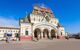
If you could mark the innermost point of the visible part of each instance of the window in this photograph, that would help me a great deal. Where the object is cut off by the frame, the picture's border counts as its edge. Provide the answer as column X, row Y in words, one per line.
column 4, row 34
column 61, row 33
column 9, row 31
column 3, row 30
column 51, row 21
column 16, row 30
column 6, row 31
column 26, row 32
column 17, row 35
column 39, row 19
column 47, row 18
column 34, row 19
column 42, row 19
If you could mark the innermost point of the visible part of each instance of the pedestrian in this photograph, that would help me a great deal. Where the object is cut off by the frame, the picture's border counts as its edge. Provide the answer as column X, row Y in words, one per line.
column 67, row 37
column 7, row 39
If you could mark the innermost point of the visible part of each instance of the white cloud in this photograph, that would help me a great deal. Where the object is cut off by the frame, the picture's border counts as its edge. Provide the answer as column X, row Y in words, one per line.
column 8, row 22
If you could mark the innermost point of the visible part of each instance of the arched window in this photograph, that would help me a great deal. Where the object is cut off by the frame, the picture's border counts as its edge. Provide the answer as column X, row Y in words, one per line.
column 26, row 32
column 61, row 33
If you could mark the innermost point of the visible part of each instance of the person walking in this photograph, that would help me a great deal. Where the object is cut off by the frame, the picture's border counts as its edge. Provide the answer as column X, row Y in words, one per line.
column 7, row 39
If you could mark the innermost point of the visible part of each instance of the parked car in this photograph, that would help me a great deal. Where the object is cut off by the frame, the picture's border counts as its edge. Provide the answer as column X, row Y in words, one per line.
column 77, row 36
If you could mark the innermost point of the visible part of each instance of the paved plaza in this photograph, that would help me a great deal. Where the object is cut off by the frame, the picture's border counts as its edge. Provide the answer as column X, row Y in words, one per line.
column 55, row 44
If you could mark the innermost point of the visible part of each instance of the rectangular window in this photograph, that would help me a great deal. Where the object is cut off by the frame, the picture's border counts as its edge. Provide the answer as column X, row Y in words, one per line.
column 3, row 30
column 26, row 32
column 39, row 19
column 34, row 19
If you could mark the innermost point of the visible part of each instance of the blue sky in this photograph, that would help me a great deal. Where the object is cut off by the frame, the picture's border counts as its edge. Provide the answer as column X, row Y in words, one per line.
column 67, row 11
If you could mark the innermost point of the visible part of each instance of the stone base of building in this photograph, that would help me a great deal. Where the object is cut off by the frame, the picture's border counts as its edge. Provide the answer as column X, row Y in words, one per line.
column 61, row 37
column 24, row 38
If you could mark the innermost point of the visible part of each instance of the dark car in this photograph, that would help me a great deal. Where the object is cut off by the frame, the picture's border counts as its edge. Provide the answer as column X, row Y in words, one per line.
column 77, row 36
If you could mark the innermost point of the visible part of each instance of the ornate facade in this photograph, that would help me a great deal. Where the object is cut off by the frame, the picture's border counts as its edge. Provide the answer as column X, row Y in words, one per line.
column 41, row 24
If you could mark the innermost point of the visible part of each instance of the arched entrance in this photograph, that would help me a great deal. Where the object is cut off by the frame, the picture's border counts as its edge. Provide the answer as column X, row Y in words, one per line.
column 45, row 33
column 37, row 33
column 53, row 35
